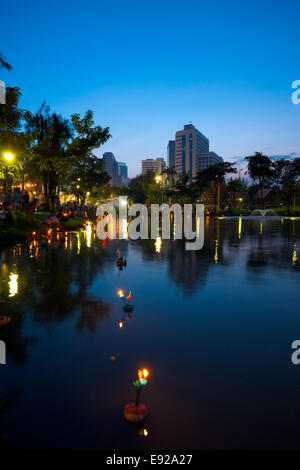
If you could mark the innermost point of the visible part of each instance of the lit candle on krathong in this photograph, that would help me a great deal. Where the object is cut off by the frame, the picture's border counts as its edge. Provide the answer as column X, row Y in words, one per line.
column 136, row 412
column 126, row 307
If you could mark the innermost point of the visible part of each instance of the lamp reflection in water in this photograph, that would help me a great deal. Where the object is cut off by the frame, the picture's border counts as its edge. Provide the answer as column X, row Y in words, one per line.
column 78, row 243
column 89, row 233
column 294, row 257
column 13, row 285
column 158, row 244
column 240, row 228
column 216, row 257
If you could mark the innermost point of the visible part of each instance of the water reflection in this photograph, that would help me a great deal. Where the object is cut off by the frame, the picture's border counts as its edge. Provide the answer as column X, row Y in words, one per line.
column 61, row 295
column 13, row 285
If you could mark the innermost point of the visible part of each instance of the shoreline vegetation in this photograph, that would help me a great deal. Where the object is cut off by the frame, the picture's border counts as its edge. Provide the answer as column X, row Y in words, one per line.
column 17, row 232
column 12, row 231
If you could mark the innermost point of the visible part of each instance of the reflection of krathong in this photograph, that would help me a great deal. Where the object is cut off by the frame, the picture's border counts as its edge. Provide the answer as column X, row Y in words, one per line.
column 136, row 412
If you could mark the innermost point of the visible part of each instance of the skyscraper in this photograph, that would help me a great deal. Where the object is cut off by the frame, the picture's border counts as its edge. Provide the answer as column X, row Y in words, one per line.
column 171, row 153
column 111, row 167
column 118, row 171
column 207, row 159
column 122, row 173
column 189, row 144
column 156, row 165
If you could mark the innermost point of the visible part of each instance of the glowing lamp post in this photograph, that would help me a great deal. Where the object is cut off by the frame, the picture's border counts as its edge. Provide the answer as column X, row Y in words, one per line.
column 8, row 157
column 136, row 412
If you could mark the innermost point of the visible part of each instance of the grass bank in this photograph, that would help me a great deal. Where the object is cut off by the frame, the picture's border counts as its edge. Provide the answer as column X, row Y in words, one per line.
column 13, row 231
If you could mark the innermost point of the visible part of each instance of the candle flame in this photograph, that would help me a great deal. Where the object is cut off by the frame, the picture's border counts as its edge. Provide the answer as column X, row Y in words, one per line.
column 121, row 324
column 121, row 293
column 143, row 374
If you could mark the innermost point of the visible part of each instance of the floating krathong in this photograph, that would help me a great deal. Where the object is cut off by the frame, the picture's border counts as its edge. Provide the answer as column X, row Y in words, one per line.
column 136, row 412
column 127, row 307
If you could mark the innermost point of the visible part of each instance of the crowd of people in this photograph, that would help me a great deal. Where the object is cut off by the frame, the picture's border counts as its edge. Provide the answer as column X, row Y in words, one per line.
column 16, row 202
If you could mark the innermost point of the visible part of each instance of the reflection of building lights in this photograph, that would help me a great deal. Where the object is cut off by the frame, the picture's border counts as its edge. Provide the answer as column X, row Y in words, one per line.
column 13, row 284
column 157, row 244
column 216, row 258
column 78, row 243
column 294, row 258
column 198, row 227
column 261, row 228
column 240, row 227
column 89, row 235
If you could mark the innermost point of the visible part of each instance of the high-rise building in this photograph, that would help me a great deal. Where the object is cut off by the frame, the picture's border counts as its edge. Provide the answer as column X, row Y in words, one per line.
column 118, row 171
column 122, row 173
column 111, row 167
column 207, row 159
column 171, row 153
column 189, row 144
column 155, row 165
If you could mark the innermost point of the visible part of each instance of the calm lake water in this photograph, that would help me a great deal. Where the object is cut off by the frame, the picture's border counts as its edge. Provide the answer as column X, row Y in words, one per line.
column 214, row 328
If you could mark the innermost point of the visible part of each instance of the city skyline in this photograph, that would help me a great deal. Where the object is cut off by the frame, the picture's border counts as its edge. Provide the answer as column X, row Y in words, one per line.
column 236, row 87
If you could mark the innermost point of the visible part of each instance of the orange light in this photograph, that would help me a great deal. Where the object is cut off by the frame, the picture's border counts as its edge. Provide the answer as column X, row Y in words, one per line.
column 121, row 293
column 121, row 324
column 143, row 374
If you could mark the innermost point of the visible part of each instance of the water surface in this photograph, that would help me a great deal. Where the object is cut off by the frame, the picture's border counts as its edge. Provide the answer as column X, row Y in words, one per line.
column 214, row 327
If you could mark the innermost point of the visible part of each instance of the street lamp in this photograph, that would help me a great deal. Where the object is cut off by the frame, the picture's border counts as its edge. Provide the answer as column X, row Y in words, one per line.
column 158, row 180
column 8, row 156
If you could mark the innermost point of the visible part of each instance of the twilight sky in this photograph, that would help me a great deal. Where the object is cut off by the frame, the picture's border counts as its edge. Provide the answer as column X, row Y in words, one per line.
column 148, row 67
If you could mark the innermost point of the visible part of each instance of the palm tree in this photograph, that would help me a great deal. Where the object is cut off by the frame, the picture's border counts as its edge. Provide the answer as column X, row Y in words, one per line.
column 171, row 173
column 260, row 169
column 3, row 63
column 214, row 177
column 233, row 186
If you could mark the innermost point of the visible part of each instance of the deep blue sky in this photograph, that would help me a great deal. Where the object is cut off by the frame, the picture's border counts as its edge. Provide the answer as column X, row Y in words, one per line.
column 148, row 67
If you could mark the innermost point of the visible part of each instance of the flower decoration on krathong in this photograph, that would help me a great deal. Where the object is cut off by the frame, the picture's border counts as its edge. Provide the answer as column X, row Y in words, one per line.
column 142, row 381
column 126, row 307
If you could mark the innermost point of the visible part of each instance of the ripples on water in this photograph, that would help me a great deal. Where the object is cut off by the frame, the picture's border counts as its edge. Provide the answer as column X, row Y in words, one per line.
column 214, row 327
